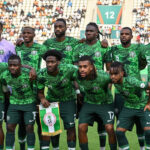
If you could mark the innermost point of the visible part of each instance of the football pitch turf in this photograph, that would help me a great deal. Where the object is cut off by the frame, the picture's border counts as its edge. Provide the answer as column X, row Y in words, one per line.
column 92, row 138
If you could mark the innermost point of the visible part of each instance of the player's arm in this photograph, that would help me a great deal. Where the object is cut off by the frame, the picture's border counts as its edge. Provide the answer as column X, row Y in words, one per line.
column 42, row 98
column 32, row 74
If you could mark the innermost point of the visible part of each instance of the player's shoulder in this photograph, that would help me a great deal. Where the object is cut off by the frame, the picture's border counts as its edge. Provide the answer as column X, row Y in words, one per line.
column 67, row 67
column 7, row 42
column 5, row 74
column 49, row 40
column 42, row 71
column 39, row 46
column 101, row 73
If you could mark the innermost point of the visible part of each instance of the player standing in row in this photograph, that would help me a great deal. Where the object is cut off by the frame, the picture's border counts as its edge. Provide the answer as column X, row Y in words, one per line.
column 3, row 67
column 92, row 47
column 22, row 101
column 58, row 79
column 136, row 105
column 96, row 104
column 30, row 54
column 131, row 56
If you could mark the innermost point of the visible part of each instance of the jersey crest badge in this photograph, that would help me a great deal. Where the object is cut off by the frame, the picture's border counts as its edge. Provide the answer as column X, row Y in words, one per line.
column 1, row 52
column 97, row 54
column 132, row 54
column 34, row 53
column 68, row 48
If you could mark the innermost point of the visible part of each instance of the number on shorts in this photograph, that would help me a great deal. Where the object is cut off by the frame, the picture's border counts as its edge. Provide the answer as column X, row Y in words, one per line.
column 111, row 115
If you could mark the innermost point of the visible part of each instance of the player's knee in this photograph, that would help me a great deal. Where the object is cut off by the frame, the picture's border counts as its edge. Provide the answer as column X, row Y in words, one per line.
column 10, row 128
column 109, row 129
column 29, row 128
column 82, row 128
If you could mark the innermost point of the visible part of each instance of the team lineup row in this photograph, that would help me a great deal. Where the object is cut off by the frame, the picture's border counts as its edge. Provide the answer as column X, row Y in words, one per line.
column 93, row 83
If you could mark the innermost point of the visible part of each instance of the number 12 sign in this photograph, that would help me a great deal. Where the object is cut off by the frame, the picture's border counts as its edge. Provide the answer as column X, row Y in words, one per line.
column 109, row 14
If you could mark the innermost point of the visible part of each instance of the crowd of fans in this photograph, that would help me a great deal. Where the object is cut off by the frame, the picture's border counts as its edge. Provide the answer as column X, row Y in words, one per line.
column 40, row 14
column 109, row 2
column 141, row 21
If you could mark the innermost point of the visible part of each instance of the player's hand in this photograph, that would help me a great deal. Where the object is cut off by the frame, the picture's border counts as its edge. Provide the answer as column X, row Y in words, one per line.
column 147, row 106
column 45, row 103
column 32, row 74
column 104, row 43
column 82, row 40
column 19, row 42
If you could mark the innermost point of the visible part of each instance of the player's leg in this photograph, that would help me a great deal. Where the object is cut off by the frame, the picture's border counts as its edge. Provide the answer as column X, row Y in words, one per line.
column 1, row 129
column 29, row 118
column 68, row 115
column 22, row 133
column 106, row 113
column 140, row 134
column 124, row 123
column 85, row 118
column 145, row 123
column 13, row 116
column 102, row 134
column 45, row 142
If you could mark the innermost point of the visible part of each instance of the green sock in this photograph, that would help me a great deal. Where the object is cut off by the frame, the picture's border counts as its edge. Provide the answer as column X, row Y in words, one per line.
column 10, row 139
column 31, row 139
column 84, row 146
column 147, row 139
column 113, row 146
column 141, row 139
column 102, row 139
column 55, row 141
column 71, row 144
column 45, row 145
column 122, row 140
column 1, row 147
column 22, row 143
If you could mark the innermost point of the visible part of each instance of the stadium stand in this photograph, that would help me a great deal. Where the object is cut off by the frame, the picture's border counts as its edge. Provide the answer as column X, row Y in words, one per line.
column 141, row 21
column 41, row 14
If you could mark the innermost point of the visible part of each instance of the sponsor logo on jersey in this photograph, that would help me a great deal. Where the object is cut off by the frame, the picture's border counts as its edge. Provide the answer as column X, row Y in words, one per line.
column 64, row 80
column 34, row 53
column 97, row 54
column 68, row 48
column 132, row 54
column 49, row 119
column 1, row 52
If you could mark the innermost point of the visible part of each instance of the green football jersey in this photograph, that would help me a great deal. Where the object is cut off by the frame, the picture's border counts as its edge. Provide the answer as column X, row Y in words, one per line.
column 95, row 51
column 133, row 91
column 20, row 87
column 96, row 91
column 3, row 67
column 31, row 56
column 146, row 55
column 60, row 87
column 65, row 47
column 131, row 57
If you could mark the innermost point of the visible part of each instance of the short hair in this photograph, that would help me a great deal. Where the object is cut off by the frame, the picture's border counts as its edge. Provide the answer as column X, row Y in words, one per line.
column 55, row 53
column 118, row 65
column 1, row 25
column 96, row 26
column 28, row 27
column 128, row 28
column 12, row 57
column 62, row 20
column 86, row 58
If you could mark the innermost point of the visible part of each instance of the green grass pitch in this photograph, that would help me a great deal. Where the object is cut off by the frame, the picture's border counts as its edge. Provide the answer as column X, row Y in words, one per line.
column 92, row 138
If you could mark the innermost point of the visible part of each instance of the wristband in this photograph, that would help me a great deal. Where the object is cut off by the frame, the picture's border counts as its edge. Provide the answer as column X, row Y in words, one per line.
column 77, row 91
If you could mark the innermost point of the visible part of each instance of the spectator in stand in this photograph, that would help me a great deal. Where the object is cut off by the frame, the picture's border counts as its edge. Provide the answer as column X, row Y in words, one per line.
column 69, row 3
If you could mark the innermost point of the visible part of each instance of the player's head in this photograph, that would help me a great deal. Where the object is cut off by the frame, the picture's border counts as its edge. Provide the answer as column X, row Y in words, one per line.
column 60, row 27
column 52, row 58
column 117, row 72
column 126, row 35
column 92, row 32
column 14, row 64
column 28, row 34
column 86, row 68
column 1, row 28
